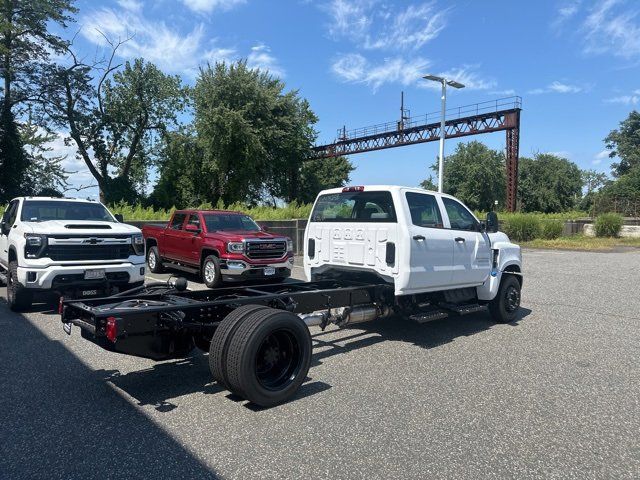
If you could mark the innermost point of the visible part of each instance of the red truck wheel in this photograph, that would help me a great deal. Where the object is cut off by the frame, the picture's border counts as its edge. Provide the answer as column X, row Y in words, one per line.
column 211, row 275
column 154, row 260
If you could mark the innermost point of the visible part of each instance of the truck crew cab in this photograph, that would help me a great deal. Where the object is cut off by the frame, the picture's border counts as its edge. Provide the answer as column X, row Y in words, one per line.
column 370, row 252
column 222, row 246
column 66, row 246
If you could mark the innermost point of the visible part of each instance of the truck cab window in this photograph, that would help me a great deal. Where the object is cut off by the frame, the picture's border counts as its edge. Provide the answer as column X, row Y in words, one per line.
column 177, row 221
column 194, row 220
column 459, row 217
column 355, row 207
column 424, row 210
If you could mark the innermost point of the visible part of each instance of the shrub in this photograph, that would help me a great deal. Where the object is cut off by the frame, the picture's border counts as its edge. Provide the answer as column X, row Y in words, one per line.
column 552, row 229
column 608, row 225
column 522, row 228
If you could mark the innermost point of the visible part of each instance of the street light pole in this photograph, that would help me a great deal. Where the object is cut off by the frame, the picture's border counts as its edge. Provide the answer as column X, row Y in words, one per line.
column 444, row 82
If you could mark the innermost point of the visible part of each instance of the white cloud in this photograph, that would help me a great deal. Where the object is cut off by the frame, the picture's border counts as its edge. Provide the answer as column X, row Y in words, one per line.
column 565, row 12
column 208, row 6
column 465, row 75
column 613, row 28
column 632, row 99
column 373, row 25
column 164, row 45
column 131, row 5
column 557, row 87
column 599, row 157
column 260, row 57
column 355, row 68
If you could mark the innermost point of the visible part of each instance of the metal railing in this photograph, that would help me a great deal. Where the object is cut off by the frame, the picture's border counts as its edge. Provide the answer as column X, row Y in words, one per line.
column 491, row 106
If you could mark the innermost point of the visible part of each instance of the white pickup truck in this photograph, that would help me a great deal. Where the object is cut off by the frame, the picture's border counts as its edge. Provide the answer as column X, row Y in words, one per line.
column 419, row 241
column 370, row 252
column 67, row 246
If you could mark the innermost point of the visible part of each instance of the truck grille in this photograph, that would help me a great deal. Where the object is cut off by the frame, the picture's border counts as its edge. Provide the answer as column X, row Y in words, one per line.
column 88, row 252
column 266, row 249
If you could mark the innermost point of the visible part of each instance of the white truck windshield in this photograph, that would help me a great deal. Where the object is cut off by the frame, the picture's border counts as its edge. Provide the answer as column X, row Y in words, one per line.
column 43, row 210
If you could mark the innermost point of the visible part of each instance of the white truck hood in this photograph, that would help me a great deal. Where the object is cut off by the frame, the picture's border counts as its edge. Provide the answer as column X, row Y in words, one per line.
column 79, row 227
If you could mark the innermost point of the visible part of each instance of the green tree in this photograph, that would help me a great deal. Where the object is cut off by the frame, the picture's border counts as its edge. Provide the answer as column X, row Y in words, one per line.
column 116, row 116
column 624, row 143
column 254, row 136
column 26, row 44
column 321, row 174
column 548, row 183
column 593, row 180
column 475, row 174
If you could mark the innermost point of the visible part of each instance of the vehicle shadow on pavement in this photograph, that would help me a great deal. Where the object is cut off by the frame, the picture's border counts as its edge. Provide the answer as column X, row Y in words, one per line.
column 165, row 381
column 397, row 328
column 60, row 420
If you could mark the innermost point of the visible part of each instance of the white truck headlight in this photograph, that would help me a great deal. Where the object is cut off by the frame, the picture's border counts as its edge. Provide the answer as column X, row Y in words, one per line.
column 138, row 244
column 235, row 247
column 34, row 245
column 289, row 245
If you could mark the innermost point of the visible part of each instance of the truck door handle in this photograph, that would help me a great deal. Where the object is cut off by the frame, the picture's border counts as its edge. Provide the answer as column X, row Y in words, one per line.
column 459, row 239
column 419, row 238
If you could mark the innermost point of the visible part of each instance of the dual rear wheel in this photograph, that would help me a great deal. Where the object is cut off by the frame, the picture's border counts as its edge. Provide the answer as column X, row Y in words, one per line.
column 261, row 354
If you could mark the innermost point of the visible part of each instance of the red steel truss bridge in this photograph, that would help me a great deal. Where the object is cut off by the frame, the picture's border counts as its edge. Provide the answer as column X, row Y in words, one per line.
column 486, row 117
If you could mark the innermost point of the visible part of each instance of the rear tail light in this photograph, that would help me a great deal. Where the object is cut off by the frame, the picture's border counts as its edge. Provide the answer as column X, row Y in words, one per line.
column 61, row 305
column 112, row 329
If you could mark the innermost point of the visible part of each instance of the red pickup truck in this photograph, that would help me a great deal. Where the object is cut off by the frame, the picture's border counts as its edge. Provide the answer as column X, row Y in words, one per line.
column 219, row 245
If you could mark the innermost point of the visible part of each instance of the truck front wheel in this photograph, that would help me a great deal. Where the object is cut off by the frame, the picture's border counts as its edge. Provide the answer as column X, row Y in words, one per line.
column 154, row 260
column 18, row 297
column 211, row 272
column 269, row 357
column 504, row 307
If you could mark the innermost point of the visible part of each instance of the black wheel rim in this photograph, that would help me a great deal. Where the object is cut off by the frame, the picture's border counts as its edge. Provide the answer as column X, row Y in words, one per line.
column 278, row 360
column 512, row 299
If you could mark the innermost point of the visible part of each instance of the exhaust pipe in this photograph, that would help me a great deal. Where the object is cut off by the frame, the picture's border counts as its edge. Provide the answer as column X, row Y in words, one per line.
column 346, row 315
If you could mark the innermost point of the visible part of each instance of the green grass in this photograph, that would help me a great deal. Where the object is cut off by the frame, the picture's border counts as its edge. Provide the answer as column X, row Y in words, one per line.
column 570, row 215
column 288, row 212
column 581, row 242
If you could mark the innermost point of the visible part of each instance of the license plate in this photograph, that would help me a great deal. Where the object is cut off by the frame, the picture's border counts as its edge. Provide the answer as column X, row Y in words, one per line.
column 67, row 328
column 270, row 271
column 93, row 274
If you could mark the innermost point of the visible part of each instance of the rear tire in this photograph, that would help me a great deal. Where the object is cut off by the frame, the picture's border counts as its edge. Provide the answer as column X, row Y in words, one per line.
column 18, row 297
column 154, row 260
column 269, row 357
column 210, row 272
column 221, row 339
column 504, row 307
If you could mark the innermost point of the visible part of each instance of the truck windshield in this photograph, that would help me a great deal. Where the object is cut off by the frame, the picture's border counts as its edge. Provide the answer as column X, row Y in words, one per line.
column 43, row 210
column 217, row 222
column 354, row 207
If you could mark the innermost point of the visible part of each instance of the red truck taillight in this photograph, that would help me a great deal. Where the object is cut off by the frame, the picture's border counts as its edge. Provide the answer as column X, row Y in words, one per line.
column 112, row 329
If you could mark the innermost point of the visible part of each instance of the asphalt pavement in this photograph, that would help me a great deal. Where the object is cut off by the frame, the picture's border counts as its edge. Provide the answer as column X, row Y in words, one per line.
column 556, row 394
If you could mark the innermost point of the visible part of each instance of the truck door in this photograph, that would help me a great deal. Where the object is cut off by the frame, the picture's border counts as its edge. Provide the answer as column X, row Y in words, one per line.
column 9, row 218
column 192, row 241
column 173, row 236
column 431, row 247
column 472, row 249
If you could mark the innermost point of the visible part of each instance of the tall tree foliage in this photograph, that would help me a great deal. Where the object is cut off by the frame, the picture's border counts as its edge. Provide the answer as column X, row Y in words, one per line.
column 475, row 174
column 255, row 137
column 115, row 116
column 624, row 143
column 548, row 183
column 26, row 44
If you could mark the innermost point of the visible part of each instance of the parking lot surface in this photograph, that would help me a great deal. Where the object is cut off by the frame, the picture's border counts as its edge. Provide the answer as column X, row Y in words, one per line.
column 554, row 395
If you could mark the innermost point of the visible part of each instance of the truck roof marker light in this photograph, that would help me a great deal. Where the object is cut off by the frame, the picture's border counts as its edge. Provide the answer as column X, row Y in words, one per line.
column 112, row 329
column 353, row 189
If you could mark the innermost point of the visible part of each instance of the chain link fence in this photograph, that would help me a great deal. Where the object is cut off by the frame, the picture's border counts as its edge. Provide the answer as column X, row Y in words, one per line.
column 625, row 206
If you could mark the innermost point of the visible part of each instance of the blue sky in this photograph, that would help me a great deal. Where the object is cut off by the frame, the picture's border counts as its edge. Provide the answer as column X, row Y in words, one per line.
column 576, row 64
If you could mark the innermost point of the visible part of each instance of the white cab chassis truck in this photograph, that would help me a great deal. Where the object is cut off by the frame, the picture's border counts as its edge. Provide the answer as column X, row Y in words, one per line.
column 68, row 246
column 370, row 252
